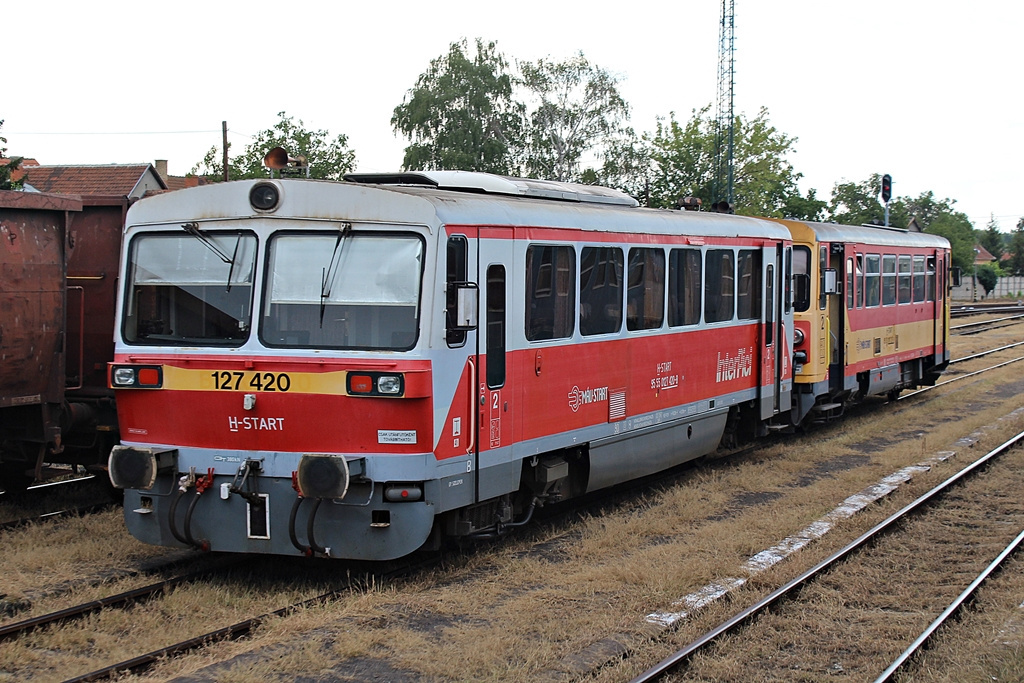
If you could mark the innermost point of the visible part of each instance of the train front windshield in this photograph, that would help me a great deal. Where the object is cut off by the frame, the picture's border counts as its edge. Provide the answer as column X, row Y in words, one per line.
column 190, row 288
column 343, row 290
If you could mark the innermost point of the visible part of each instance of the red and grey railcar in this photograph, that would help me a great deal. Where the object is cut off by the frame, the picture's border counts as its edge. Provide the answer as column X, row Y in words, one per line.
column 358, row 369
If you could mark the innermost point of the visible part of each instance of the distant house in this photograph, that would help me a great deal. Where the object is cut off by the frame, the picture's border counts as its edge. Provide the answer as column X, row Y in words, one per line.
column 982, row 255
column 132, row 181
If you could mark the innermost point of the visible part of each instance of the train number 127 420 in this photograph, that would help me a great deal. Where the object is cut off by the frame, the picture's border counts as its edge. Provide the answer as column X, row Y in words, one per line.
column 249, row 381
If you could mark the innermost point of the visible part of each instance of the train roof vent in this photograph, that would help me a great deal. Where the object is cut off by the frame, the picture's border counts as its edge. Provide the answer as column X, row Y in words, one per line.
column 487, row 183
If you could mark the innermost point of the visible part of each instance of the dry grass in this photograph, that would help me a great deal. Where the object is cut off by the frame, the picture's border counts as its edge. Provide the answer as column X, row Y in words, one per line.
column 523, row 607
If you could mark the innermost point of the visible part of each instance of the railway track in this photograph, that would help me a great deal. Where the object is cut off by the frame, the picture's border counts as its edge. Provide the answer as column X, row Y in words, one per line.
column 970, row 509
column 549, row 543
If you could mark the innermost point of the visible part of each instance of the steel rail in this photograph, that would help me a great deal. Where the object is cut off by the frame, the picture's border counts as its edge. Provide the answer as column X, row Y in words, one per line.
column 119, row 600
column 237, row 630
column 952, row 609
column 680, row 656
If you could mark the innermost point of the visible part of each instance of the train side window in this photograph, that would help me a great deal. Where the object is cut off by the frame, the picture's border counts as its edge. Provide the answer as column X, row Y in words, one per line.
column 872, row 280
column 787, row 278
column 801, row 278
column 600, row 290
column 684, row 287
column 645, row 291
column 822, row 267
column 457, row 269
column 550, row 292
column 495, row 326
column 919, row 280
column 930, row 275
column 849, row 284
column 719, row 285
column 748, row 285
column 904, row 279
column 888, row 279
column 860, row 280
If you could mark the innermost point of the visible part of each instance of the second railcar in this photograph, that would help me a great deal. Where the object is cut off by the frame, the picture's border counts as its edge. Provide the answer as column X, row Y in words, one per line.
column 872, row 314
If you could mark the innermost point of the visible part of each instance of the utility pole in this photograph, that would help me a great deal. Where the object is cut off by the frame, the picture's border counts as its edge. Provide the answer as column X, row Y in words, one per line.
column 724, row 133
column 224, row 143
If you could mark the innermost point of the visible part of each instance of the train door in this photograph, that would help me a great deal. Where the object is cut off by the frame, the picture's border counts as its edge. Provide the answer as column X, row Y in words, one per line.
column 495, row 390
column 773, row 326
column 832, row 294
column 937, row 292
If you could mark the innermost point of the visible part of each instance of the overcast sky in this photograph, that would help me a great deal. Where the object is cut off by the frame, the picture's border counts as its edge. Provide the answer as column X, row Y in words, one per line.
column 929, row 91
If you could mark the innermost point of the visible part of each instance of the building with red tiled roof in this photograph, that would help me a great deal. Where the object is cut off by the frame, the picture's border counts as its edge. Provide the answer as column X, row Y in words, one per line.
column 118, row 180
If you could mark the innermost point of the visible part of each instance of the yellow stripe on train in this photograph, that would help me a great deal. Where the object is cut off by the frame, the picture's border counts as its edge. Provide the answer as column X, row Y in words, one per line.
column 253, row 381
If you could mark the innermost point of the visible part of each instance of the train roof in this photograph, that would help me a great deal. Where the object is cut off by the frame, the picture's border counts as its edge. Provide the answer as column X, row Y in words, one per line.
column 529, row 203
column 863, row 234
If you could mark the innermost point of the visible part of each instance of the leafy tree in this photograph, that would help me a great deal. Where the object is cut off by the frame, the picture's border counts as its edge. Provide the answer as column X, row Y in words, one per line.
column 625, row 165
column 956, row 228
column 461, row 114
column 857, row 203
column 992, row 239
column 327, row 159
column 765, row 183
column 579, row 109
column 7, row 169
column 1016, row 262
column 988, row 276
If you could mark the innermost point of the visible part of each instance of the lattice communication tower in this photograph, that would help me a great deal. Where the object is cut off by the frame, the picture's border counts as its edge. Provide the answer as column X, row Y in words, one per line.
column 724, row 134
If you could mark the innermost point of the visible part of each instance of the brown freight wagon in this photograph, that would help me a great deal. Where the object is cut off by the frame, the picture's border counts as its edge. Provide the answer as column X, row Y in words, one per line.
column 58, row 272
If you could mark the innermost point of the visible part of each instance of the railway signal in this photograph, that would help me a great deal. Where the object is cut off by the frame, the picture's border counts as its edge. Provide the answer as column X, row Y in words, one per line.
column 886, row 194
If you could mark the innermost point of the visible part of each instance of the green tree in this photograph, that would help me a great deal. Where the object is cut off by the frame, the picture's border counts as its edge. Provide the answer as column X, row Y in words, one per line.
column 7, row 169
column 625, row 165
column 956, row 227
column 988, row 276
column 579, row 110
column 1016, row 263
column 857, row 203
column 461, row 114
column 765, row 183
column 992, row 239
column 327, row 159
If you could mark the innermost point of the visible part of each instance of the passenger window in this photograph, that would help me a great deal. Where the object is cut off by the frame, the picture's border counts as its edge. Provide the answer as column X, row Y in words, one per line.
column 801, row 278
column 860, row 280
column 550, row 292
column 919, row 279
column 684, row 287
column 748, row 295
column 719, row 289
column 600, row 290
column 888, row 280
column 645, row 294
column 849, row 283
column 931, row 280
column 872, row 280
column 822, row 267
column 904, row 280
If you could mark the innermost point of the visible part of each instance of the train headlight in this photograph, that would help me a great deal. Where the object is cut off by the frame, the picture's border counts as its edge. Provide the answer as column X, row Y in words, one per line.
column 376, row 384
column 124, row 377
column 389, row 384
column 136, row 376
column 798, row 336
column 264, row 196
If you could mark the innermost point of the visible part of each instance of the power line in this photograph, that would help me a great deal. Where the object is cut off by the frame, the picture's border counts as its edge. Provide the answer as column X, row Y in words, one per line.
column 136, row 132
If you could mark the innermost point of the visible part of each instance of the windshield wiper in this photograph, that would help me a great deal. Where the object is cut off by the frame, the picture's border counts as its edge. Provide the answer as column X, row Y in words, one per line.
column 234, row 255
column 329, row 273
column 193, row 229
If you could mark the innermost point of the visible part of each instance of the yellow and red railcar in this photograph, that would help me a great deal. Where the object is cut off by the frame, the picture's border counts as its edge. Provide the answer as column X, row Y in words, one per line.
column 871, row 313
